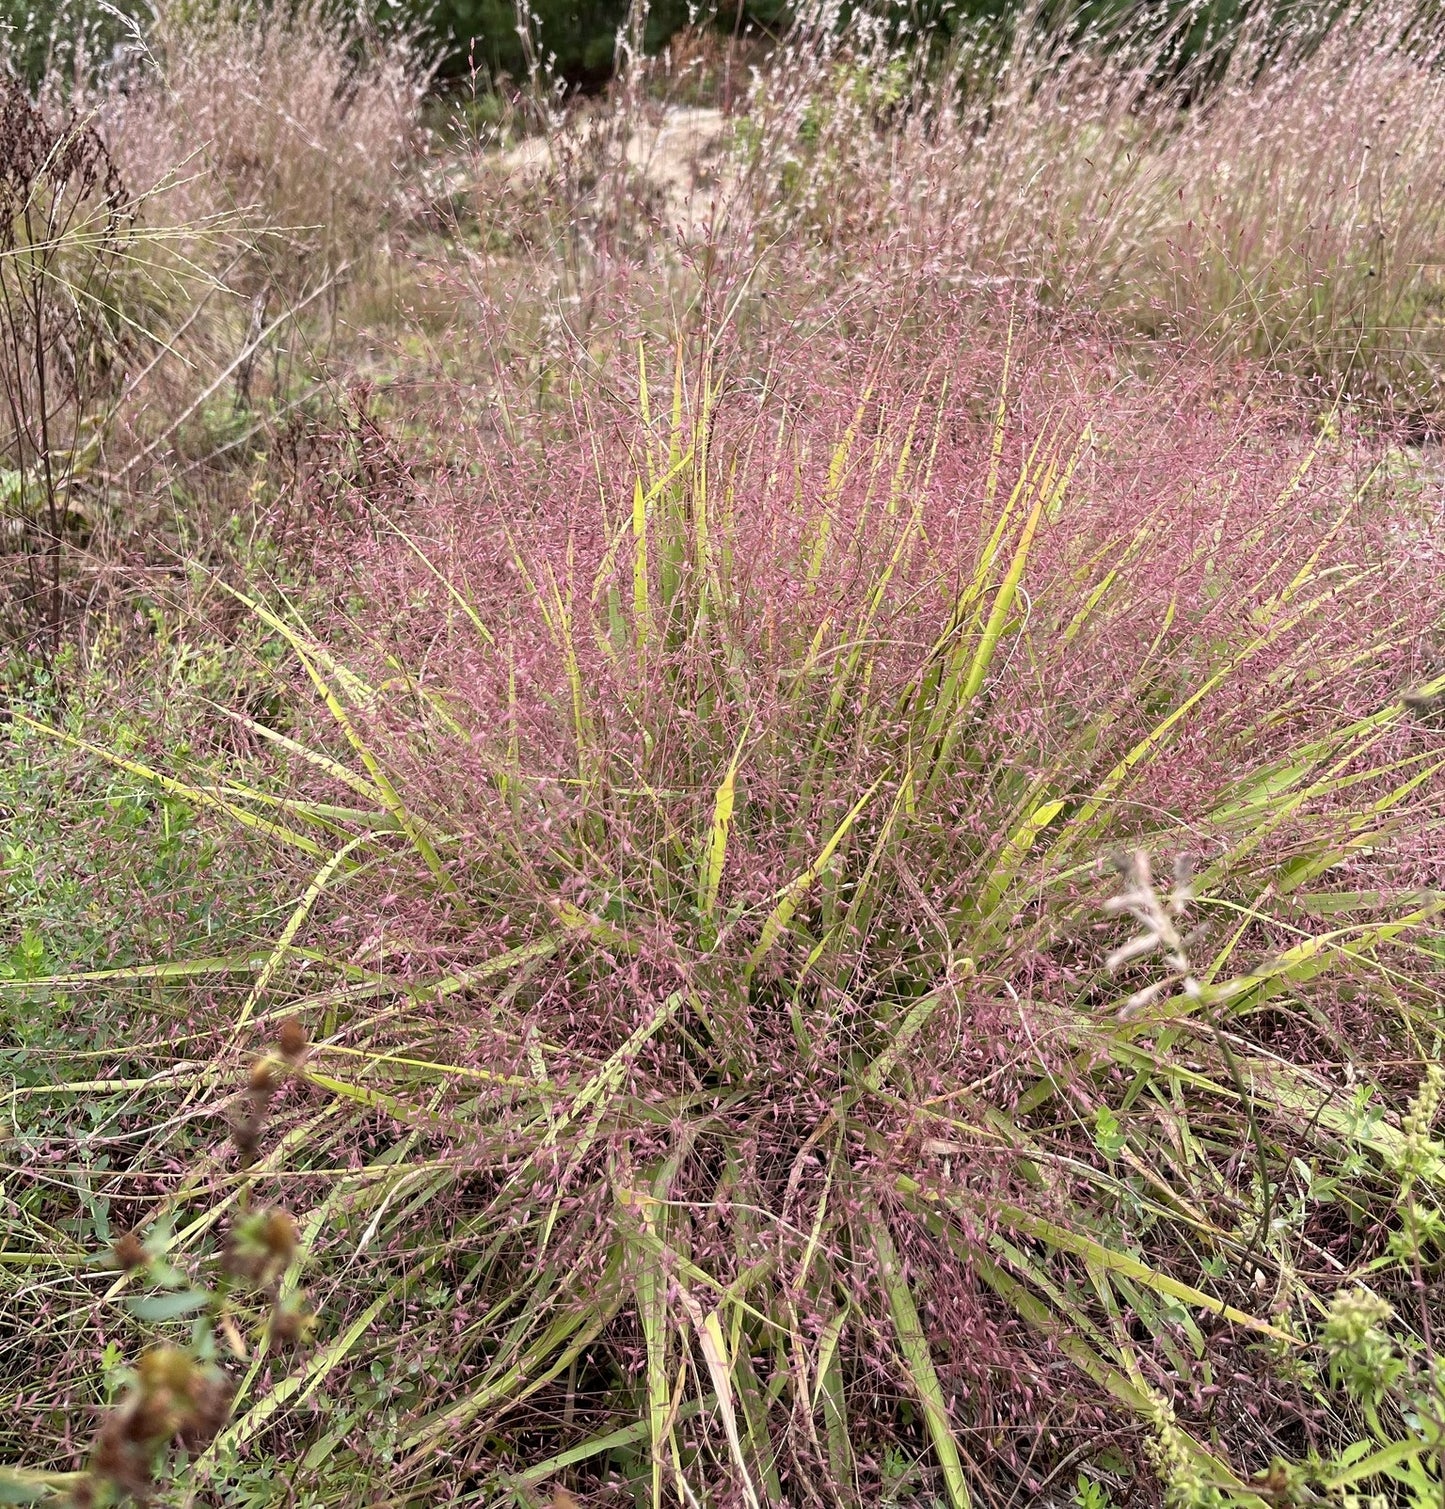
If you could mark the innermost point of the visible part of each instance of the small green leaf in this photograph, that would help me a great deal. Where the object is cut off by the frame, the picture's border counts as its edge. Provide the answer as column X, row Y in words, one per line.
column 169, row 1306
column 1108, row 1137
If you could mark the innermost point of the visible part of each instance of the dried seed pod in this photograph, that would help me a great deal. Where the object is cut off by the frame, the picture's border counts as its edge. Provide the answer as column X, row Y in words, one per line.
column 266, row 1075
column 292, row 1322
column 292, row 1040
column 154, row 1417
column 246, row 1135
column 281, row 1234
column 210, row 1407
column 128, row 1254
column 121, row 1461
column 166, row 1367
column 175, row 1398
column 260, row 1246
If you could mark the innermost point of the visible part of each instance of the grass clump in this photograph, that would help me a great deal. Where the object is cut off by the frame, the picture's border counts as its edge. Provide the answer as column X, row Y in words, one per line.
column 701, row 943
column 657, row 915
column 287, row 121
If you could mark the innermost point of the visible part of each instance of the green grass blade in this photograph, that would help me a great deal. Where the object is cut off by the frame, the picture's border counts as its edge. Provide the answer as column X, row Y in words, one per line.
column 918, row 1362
column 782, row 914
column 197, row 795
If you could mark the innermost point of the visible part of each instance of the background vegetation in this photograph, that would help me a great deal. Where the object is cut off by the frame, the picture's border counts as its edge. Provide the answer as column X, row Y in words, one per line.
column 575, row 39
column 726, row 791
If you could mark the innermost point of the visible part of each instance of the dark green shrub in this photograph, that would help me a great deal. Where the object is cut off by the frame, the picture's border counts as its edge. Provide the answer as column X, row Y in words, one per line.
column 576, row 39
